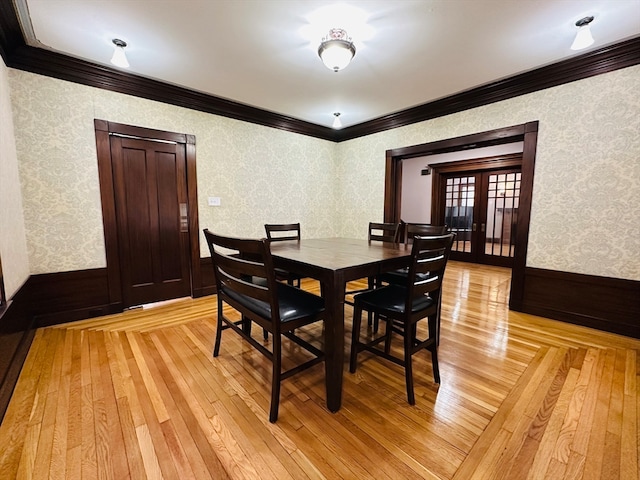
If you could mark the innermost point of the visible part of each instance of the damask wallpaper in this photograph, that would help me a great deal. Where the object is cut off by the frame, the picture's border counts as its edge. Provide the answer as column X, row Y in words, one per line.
column 585, row 214
column 13, row 247
column 587, row 180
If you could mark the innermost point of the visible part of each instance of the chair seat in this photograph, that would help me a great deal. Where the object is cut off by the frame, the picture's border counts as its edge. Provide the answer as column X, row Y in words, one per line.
column 294, row 303
column 391, row 298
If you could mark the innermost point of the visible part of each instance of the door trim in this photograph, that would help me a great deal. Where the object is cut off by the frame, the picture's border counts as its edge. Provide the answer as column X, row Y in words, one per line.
column 103, row 129
column 526, row 133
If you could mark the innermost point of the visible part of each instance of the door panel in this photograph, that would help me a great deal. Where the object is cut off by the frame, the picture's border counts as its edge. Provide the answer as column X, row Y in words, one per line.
column 459, row 215
column 501, row 215
column 150, row 185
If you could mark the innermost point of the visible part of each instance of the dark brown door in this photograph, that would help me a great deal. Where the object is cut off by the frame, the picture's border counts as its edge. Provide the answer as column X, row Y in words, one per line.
column 482, row 209
column 150, row 189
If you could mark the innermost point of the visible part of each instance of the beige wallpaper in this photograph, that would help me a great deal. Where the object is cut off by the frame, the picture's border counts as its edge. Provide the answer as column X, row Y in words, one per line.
column 585, row 212
column 584, row 219
column 13, row 250
column 261, row 174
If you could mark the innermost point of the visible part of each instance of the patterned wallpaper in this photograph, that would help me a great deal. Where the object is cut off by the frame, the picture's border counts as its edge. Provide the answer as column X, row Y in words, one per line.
column 585, row 213
column 13, row 250
column 262, row 175
column 584, row 219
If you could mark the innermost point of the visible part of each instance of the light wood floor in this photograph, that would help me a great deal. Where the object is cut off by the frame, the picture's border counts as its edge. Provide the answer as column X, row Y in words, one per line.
column 138, row 395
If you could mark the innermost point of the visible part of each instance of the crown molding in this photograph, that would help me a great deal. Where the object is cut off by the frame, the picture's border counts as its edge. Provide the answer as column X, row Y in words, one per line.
column 17, row 54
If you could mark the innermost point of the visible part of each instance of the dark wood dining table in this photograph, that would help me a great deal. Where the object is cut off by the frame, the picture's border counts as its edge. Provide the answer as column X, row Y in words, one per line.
column 334, row 262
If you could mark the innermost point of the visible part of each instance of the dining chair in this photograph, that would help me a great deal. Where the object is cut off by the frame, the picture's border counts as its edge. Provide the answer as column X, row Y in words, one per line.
column 277, row 232
column 402, row 307
column 408, row 232
column 245, row 280
column 378, row 232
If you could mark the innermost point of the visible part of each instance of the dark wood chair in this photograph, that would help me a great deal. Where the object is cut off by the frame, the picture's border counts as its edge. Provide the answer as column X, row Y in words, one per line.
column 402, row 307
column 408, row 231
column 245, row 280
column 378, row 232
column 282, row 232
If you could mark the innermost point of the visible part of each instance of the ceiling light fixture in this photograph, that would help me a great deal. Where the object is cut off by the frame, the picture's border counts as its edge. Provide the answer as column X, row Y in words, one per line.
column 583, row 37
column 336, row 121
column 119, row 58
column 336, row 49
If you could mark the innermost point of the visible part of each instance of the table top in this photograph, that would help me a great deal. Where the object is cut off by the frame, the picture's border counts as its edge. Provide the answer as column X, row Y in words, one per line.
column 339, row 253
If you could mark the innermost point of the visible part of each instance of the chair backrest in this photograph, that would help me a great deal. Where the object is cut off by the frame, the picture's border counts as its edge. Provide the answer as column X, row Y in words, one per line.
column 282, row 231
column 245, row 276
column 429, row 256
column 423, row 229
column 383, row 232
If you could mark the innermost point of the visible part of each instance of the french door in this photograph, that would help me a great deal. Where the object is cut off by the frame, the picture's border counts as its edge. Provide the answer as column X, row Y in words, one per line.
column 481, row 208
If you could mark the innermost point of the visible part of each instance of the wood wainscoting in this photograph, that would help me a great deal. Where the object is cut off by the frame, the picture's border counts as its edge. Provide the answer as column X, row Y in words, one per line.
column 609, row 304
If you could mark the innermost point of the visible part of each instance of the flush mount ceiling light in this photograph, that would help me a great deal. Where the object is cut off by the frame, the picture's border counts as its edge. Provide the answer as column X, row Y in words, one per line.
column 583, row 37
column 119, row 58
column 336, row 121
column 336, row 49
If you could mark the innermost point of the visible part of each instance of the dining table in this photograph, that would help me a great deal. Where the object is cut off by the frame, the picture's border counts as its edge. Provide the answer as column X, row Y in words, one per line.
column 334, row 262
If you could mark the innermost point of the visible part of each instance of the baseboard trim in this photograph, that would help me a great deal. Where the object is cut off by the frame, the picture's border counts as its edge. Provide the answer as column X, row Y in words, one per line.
column 604, row 303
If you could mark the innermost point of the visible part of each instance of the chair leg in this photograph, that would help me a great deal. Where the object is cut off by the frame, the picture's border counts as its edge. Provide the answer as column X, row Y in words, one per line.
column 434, row 363
column 387, row 333
column 434, row 331
column 408, row 365
column 275, row 378
column 216, row 348
column 355, row 337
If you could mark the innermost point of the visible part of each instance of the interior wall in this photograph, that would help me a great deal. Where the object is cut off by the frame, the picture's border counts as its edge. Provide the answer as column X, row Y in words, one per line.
column 415, row 203
column 585, row 211
column 13, row 245
column 262, row 175
column 584, row 208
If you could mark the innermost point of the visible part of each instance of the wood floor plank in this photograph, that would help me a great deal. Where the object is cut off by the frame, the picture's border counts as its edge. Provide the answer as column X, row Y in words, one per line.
column 139, row 395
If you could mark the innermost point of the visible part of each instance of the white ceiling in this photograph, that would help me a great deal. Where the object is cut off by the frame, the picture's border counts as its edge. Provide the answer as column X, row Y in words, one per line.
column 264, row 52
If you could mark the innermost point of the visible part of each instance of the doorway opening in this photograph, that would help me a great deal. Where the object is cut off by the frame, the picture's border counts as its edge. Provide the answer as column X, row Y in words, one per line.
column 526, row 133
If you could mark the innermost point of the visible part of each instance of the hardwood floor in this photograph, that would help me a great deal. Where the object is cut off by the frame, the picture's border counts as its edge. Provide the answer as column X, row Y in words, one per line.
column 139, row 395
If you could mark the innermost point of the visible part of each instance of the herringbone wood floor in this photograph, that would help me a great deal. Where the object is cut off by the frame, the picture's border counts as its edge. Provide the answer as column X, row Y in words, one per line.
column 138, row 395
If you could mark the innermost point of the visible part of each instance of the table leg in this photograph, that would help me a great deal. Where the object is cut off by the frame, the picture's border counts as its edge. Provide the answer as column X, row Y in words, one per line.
column 333, row 290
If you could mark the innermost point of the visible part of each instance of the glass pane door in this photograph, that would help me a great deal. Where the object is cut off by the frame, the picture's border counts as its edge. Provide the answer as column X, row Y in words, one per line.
column 503, row 197
column 460, row 192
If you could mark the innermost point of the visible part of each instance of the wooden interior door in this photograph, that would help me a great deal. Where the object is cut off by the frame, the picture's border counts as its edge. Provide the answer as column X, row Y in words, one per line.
column 481, row 208
column 150, row 191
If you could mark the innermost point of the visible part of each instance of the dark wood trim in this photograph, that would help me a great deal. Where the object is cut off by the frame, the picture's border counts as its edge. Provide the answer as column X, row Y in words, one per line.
column 16, row 334
column 105, row 173
column 609, row 304
column 208, row 279
column 17, row 54
column 107, row 194
column 526, row 133
column 604, row 60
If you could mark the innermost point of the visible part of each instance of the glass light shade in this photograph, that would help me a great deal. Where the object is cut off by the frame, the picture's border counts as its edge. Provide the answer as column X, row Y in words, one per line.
column 337, row 123
column 336, row 54
column 119, row 58
column 583, row 38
